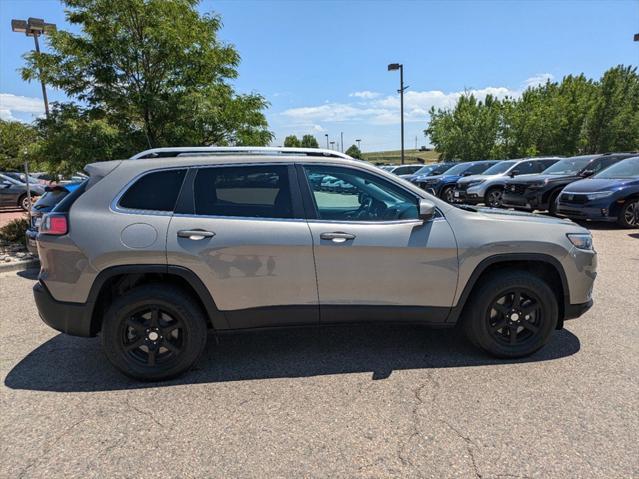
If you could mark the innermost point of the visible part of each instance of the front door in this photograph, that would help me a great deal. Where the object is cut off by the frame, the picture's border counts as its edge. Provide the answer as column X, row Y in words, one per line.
column 247, row 240
column 374, row 258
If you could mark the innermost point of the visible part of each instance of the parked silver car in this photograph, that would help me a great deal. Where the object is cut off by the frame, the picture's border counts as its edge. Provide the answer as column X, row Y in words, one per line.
column 151, row 253
column 488, row 187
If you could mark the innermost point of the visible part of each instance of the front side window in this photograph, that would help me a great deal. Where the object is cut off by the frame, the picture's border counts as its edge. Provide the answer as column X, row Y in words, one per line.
column 157, row 191
column 527, row 167
column 244, row 191
column 345, row 194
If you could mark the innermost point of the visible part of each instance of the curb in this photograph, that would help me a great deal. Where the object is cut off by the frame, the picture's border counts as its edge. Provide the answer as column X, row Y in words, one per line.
column 19, row 265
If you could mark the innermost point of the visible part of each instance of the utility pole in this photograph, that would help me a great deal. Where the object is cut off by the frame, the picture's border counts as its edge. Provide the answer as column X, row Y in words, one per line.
column 34, row 27
column 400, row 67
column 326, row 135
column 342, row 141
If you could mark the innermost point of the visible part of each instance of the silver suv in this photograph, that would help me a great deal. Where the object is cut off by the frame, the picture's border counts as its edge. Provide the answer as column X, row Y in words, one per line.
column 150, row 253
column 488, row 187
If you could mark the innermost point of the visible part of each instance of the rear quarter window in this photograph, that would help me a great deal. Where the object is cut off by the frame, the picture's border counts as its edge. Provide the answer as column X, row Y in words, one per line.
column 157, row 191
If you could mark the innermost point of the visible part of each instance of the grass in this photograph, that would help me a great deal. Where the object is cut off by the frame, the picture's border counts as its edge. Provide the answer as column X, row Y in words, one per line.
column 394, row 157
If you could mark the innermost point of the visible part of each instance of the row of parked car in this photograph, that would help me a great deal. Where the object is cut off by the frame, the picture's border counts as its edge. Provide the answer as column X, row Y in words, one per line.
column 602, row 187
column 13, row 187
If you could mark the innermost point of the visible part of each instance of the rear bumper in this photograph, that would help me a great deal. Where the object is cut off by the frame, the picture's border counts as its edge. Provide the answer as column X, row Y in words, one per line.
column 573, row 311
column 69, row 318
column 32, row 246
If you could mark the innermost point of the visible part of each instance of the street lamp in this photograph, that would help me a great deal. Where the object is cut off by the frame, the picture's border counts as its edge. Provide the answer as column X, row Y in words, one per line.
column 326, row 135
column 342, row 142
column 358, row 144
column 400, row 67
column 332, row 143
column 636, row 37
column 34, row 27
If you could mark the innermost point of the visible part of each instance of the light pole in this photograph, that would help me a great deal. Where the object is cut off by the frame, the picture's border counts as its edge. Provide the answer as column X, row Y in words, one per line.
column 359, row 145
column 34, row 27
column 326, row 135
column 342, row 141
column 332, row 143
column 400, row 67
column 636, row 37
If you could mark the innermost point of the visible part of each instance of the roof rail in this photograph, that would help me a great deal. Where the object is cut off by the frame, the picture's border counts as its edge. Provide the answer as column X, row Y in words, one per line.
column 172, row 152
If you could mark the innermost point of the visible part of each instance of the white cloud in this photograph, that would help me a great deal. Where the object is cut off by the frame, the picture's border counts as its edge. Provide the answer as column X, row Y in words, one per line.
column 539, row 79
column 11, row 104
column 366, row 94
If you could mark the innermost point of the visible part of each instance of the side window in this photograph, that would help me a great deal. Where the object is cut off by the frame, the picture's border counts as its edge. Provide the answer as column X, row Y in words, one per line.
column 345, row 194
column 156, row 191
column 247, row 191
column 527, row 167
column 545, row 164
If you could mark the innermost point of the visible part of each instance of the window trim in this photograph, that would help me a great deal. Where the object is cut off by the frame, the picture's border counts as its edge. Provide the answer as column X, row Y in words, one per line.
column 312, row 215
column 117, row 208
column 185, row 204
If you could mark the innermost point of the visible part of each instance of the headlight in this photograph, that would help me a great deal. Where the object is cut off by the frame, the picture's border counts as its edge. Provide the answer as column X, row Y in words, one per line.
column 600, row 194
column 539, row 184
column 581, row 240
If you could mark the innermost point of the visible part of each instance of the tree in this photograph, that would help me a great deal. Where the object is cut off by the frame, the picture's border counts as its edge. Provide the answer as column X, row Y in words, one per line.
column 309, row 141
column 18, row 141
column 354, row 152
column 153, row 71
column 292, row 141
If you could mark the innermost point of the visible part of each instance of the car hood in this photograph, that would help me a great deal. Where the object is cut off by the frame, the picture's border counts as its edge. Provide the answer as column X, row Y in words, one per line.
column 471, row 178
column 536, row 178
column 602, row 184
column 498, row 213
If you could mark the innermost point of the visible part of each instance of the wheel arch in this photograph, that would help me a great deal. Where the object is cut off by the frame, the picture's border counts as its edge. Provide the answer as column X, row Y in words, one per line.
column 118, row 279
column 539, row 264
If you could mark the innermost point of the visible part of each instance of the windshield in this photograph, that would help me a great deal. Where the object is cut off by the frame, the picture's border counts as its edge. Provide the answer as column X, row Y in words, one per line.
column 624, row 169
column 500, row 167
column 458, row 169
column 569, row 166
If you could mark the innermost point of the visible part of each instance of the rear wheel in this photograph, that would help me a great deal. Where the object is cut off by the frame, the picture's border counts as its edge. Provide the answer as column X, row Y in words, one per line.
column 511, row 315
column 153, row 332
column 447, row 194
column 23, row 202
column 629, row 214
column 493, row 197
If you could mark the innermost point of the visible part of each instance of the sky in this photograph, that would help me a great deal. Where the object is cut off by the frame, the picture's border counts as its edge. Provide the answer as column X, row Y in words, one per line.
column 322, row 65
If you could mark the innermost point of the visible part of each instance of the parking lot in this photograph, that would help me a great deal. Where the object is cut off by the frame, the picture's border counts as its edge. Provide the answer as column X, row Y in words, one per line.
column 339, row 402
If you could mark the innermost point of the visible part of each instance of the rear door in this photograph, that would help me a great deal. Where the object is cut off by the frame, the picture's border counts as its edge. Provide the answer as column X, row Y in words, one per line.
column 375, row 259
column 241, row 229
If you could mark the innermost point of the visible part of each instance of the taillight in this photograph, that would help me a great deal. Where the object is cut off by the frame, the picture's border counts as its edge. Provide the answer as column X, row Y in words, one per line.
column 54, row 224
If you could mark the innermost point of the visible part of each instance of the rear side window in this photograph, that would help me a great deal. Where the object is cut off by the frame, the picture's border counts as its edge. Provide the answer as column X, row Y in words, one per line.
column 51, row 198
column 246, row 191
column 155, row 191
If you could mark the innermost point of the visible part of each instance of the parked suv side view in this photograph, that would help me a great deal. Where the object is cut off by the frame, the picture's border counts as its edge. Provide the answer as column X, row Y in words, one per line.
column 151, row 253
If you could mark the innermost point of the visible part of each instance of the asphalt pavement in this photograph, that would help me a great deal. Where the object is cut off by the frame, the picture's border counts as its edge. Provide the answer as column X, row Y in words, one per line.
column 366, row 401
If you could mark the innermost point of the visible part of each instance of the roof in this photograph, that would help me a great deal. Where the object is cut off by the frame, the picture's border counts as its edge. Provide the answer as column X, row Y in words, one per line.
column 181, row 151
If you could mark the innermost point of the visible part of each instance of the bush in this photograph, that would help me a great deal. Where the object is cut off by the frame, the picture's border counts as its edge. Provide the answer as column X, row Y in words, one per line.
column 14, row 231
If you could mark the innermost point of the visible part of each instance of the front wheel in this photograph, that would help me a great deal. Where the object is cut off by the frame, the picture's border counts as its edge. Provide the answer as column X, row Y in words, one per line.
column 629, row 214
column 493, row 197
column 24, row 203
column 511, row 315
column 448, row 194
column 153, row 332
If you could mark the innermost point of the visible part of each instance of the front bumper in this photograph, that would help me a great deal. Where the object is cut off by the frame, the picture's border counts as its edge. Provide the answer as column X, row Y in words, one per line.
column 597, row 210
column 69, row 318
column 466, row 196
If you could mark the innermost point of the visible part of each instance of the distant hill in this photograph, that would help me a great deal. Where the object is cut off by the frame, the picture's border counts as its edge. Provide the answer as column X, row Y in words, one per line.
column 394, row 157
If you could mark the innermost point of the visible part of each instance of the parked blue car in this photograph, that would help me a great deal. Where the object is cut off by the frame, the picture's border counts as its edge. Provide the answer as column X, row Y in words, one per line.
column 51, row 197
column 443, row 185
column 612, row 195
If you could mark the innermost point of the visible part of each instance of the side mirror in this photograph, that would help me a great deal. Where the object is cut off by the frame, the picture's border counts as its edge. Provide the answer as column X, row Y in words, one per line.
column 426, row 210
column 513, row 173
column 587, row 173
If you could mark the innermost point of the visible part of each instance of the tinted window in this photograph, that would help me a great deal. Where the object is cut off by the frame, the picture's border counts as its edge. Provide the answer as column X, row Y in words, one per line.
column 51, row 198
column 155, row 191
column 624, row 169
column 478, row 168
column 248, row 191
column 347, row 194
column 500, row 167
column 526, row 167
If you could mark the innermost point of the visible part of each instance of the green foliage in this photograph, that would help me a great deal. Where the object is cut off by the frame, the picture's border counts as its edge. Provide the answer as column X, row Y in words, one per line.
column 309, row 141
column 574, row 116
column 149, row 72
column 15, row 231
column 17, row 144
column 354, row 152
column 291, row 141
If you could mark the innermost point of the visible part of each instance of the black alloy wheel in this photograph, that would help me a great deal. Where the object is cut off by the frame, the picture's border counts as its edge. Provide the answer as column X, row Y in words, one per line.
column 514, row 317
column 494, row 197
column 629, row 215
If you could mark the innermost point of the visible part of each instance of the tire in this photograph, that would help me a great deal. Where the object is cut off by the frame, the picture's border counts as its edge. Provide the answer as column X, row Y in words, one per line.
column 629, row 214
column 493, row 197
column 495, row 322
column 447, row 194
column 154, row 332
column 552, row 203
column 23, row 202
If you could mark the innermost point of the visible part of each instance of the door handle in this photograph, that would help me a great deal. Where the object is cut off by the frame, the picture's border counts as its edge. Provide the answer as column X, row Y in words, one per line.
column 337, row 237
column 195, row 235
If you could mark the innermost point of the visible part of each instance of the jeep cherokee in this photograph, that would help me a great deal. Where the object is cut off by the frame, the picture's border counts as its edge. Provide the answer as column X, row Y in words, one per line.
column 150, row 253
